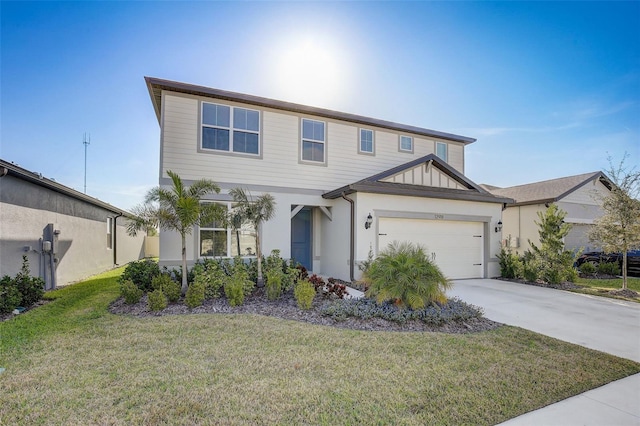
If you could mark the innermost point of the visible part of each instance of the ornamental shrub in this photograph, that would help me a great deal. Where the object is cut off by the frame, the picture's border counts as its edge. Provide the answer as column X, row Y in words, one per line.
column 9, row 295
column 195, row 295
column 274, row 283
column 141, row 273
column 30, row 288
column 404, row 275
column 157, row 300
column 159, row 281
column 510, row 263
column 609, row 268
column 304, row 293
column 233, row 291
column 588, row 268
column 211, row 275
column 172, row 290
column 130, row 292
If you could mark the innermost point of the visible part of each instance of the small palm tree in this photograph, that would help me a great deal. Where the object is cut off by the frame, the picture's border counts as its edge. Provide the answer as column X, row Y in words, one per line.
column 404, row 275
column 179, row 209
column 254, row 212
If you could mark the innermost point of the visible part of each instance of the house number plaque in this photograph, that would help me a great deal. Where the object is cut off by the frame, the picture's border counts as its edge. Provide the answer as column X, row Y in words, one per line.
column 439, row 216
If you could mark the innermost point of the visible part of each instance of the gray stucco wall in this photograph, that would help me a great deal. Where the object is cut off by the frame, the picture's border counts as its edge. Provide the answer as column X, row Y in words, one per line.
column 27, row 208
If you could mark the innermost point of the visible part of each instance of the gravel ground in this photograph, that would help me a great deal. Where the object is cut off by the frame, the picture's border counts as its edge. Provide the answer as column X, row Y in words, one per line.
column 286, row 308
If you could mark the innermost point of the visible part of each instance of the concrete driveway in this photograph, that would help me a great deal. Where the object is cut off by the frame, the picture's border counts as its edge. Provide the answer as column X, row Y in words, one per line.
column 607, row 325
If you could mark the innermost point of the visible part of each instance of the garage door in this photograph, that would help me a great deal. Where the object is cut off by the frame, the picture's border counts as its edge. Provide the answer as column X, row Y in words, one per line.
column 456, row 247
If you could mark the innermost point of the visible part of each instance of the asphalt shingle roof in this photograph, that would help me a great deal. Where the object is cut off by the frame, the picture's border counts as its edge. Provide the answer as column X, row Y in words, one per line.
column 545, row 191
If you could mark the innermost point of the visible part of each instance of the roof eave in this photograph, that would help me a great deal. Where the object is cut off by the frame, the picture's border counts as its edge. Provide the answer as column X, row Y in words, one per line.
column 160, row 84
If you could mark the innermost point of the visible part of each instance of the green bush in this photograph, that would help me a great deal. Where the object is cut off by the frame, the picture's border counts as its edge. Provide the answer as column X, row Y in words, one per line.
column 233, row 291
column 588, row 268
column 159, row 281
column 172, row 290
column 304, row 293
column 403, row 273
column 157, row 300
column 30, row 288
column 141, row 273
column 210, row 275
column 9, row 295
column 510, row 263
column 274, row 284
column 195, row 295
column 609, row 268
column 130, row 292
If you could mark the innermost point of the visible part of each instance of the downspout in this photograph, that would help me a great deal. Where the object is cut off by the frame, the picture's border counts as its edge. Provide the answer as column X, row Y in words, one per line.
column 353, row 233
column 115, row 238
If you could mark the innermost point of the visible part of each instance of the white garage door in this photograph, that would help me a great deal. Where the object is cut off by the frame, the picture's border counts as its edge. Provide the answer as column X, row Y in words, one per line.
column 456, row 247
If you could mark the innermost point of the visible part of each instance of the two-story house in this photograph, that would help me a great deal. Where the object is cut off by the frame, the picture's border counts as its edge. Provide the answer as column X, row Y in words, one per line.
column 344, row 184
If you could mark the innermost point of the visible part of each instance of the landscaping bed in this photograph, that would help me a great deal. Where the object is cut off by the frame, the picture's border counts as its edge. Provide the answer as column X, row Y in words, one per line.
column 286, row 308
column 605, row 286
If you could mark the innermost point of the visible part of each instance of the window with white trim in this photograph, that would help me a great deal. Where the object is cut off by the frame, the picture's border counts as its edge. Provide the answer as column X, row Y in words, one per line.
column 406, row 143
column 441, row 150
column 230, row 129
column 313, row 140
column 366, row 141
column 214, row 240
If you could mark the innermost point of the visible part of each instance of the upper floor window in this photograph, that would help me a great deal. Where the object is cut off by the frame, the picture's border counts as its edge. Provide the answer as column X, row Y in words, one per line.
column 366, row 141
column 441, row 150
column 231, row 129
column 313, row 140
column 406, row 143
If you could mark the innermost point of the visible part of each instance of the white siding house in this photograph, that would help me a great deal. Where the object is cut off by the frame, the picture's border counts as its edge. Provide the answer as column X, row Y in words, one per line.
column 328, row 172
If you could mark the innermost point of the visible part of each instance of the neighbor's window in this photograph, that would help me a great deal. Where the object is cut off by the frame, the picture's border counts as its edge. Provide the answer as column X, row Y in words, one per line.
column 406, row 143
column 230, row 129
column 109, row 232
column 366, row 141
column 217, row 241
column 441, row 150
column 313, row 140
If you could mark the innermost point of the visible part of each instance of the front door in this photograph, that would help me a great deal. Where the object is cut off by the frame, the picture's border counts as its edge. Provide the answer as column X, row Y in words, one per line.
column 301, row 238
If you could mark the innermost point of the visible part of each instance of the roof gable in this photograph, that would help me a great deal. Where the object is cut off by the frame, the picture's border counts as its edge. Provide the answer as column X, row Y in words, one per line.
column 550, row 191
column 427, row 176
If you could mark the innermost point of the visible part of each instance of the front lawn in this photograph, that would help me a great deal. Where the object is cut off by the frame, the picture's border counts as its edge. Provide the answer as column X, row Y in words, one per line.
column 604, row 287
column 72, row 362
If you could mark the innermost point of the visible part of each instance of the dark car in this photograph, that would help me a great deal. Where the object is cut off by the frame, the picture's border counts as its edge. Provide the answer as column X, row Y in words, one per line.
column 597, row 257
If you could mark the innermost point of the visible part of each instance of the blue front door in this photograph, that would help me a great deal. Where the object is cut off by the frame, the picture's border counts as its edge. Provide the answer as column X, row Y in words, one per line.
column 301, row 238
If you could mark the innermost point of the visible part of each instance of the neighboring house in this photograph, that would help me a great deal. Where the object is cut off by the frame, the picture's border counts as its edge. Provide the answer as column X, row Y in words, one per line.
column 66, row 235
column 578, row 195
column 344, row 184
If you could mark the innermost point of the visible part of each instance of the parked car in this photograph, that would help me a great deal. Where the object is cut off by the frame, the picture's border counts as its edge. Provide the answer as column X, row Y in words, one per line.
column 597, row 257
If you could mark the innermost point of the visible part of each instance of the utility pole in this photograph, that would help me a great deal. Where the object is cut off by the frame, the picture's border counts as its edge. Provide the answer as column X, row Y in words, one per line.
column 86, row 142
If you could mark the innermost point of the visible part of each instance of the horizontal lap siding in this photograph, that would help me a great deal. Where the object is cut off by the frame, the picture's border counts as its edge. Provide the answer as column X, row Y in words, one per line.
column 280, row 165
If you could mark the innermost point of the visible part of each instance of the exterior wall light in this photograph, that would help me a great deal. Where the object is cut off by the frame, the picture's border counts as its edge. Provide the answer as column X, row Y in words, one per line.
column 499, row 226
column 369, row 221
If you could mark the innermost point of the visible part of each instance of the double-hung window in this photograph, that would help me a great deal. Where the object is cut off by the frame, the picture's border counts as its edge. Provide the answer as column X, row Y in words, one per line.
column 406, row 143
column 215, row 240
column 366, row 141
column 441, row 150
column 313, row 141
column 230, row 129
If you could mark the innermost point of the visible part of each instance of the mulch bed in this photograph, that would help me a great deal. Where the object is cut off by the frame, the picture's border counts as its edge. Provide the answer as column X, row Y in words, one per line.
column 286, row 308
column 561, row 286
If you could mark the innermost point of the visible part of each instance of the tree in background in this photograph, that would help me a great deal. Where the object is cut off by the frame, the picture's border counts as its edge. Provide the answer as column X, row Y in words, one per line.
column 618, row 230
column 178, row 208
column 253, row 212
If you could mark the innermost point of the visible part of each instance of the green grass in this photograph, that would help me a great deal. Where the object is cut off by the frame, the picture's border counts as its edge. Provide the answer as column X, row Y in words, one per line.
column 602, row 287
column 71, row 362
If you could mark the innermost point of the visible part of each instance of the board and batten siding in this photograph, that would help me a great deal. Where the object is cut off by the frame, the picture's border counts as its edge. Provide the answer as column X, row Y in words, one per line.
column 279, row 164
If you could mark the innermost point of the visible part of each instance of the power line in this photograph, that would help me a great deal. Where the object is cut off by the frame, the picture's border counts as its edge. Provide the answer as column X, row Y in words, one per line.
column 86, row 142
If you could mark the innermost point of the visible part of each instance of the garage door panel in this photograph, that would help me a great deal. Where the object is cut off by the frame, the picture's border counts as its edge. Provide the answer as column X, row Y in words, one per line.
column 456, row 247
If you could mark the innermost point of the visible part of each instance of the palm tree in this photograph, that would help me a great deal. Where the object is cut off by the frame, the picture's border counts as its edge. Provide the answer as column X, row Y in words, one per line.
column 179, row 209
column 254, row 212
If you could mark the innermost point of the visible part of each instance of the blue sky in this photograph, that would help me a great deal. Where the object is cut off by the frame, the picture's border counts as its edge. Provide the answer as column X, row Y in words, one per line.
column 549, row 89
